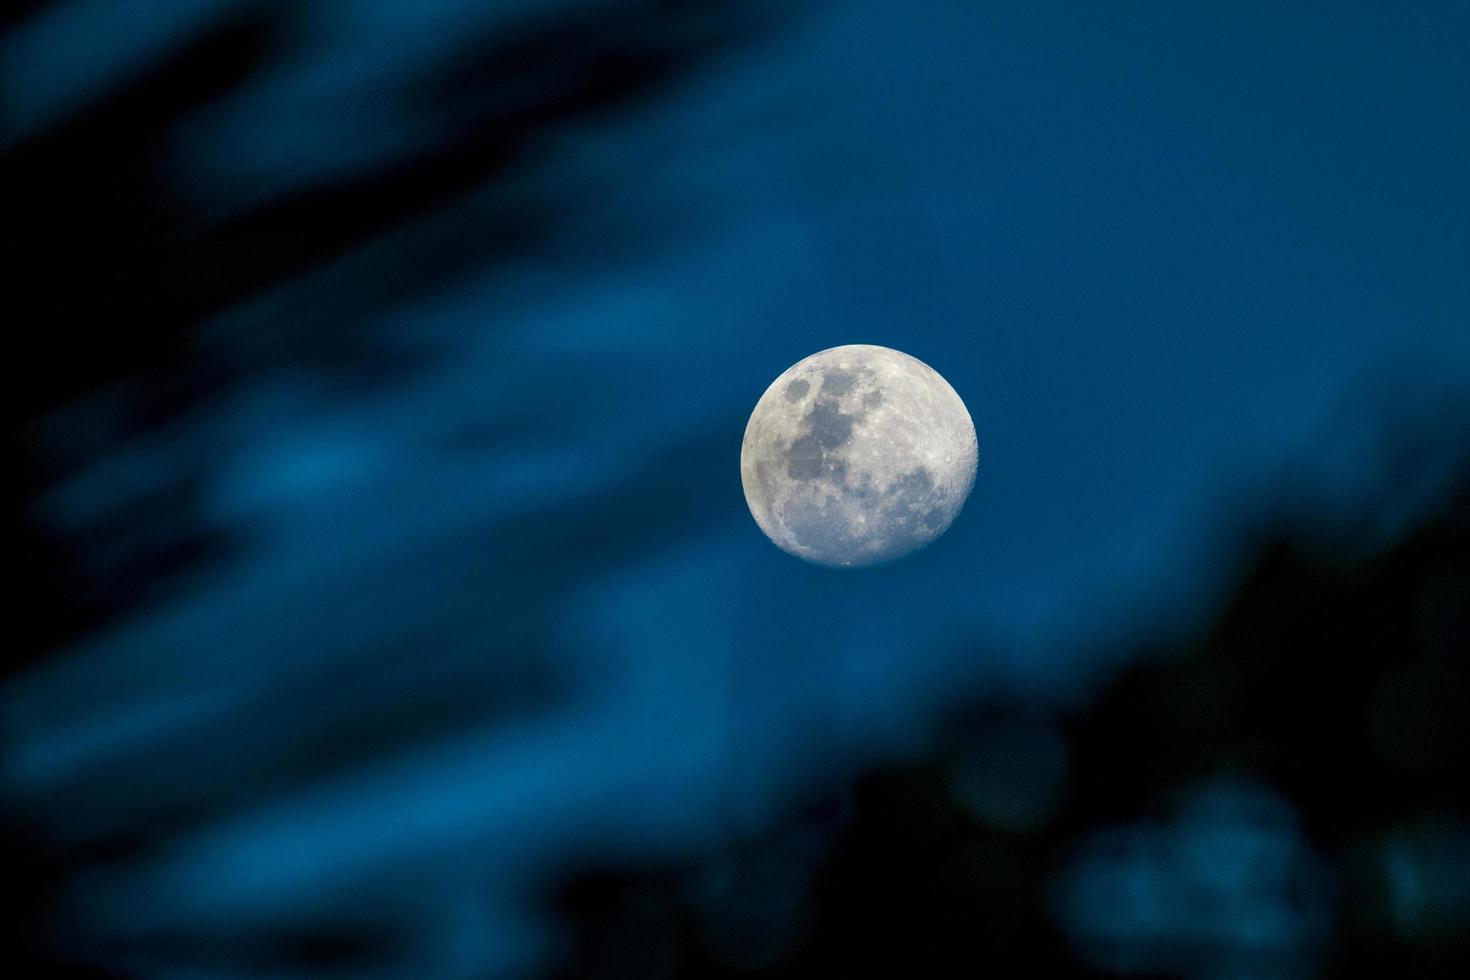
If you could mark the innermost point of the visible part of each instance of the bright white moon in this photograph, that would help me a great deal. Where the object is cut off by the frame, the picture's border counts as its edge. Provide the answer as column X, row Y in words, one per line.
column 857, row 455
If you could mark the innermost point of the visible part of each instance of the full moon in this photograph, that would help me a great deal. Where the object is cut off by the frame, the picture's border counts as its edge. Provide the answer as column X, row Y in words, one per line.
column 857, row 455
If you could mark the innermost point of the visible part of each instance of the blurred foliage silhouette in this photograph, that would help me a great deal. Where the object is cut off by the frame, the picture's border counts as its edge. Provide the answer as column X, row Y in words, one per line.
column 121, row 300
column 1287, row 795
column 387, row 603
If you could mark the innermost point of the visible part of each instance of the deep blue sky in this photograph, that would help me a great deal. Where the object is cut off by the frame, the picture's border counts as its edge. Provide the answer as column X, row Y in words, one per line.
column 1184, row 262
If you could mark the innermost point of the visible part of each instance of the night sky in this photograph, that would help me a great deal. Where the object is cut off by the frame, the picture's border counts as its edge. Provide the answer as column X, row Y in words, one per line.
column 388, row 604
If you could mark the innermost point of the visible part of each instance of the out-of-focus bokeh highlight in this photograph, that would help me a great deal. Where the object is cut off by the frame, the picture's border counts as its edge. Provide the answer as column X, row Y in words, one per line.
column 386, row 603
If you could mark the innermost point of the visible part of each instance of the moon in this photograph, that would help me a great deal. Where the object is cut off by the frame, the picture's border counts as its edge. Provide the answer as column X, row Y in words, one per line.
column 857, row 455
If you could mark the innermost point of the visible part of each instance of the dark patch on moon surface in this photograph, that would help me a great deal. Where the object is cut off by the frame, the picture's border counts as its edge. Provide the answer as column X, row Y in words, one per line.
column 864, row 492
column 911, row 509
column 829, row 426
column 797, row 389
column 804, row 459
column 837, row 381
column 914, row 483
column 807, row 460
column 873, row 399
